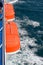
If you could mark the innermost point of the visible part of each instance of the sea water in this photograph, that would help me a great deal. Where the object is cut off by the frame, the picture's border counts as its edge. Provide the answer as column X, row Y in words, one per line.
column 29, row 19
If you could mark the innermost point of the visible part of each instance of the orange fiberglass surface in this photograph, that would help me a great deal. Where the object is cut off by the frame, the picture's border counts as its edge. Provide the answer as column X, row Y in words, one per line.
column 11, row 30
column 9, row 11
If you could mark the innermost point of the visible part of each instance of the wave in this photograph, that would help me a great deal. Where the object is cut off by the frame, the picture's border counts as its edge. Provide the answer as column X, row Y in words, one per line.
column 26, row 55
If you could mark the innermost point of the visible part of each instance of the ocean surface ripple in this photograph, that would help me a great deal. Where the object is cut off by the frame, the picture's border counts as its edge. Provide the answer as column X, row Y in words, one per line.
column 29, row 19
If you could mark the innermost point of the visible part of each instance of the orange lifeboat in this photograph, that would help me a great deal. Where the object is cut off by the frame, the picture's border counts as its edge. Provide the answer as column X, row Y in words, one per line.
column 9, row 12
column 11, row 30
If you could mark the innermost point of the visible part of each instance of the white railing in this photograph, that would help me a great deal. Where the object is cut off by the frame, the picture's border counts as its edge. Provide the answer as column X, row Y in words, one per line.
column 0, row 45
column 1, row 29
column 11, row 1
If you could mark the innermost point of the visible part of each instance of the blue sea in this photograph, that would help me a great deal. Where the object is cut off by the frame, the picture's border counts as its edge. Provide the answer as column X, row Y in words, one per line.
column 31, row 12
column 29, row 19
